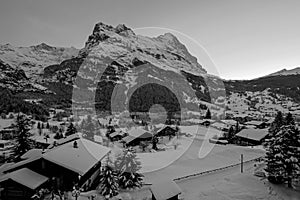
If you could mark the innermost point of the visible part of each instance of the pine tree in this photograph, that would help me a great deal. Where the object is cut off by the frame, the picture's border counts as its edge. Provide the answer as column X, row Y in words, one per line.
column 282, row 151
column 276, row 124
column 208, row 114
column 23, row 143
column 71, row 130
column 289, row 141
column 109, row 186
column 58, row 136
column 39, row 125
column 237, row 127
column 127, row 165
column 88, row 127
column 274, row 166
column 230, row 134
column 154, row 142
column 289, row 119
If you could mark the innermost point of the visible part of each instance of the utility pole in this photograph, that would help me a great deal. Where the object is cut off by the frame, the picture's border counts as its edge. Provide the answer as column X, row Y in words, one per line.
column 242, row 158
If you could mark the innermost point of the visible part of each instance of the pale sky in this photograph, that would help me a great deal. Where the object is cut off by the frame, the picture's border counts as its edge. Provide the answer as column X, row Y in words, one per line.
column 244, row 38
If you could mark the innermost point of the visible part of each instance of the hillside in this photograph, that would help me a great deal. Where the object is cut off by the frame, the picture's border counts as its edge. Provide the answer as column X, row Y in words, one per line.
column 288, row 85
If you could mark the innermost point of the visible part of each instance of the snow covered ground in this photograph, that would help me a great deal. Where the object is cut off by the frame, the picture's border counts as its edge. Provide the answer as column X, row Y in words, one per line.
column 229, row 184
column 233, row 185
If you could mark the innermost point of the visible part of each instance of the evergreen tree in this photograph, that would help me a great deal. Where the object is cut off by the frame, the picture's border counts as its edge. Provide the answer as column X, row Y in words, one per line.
column 282, row 151
column 3, row 115
column 88, row 127
column 230, row 134
column 289, row 119
column 70, row 130
column 274, row 166
column 154, row 142
column 289, row 141
column 23, row 143
column 127, row 165
column 47, row 126
column 39, row 125
column 208, row 114
column 276, row 124
column 109, row 186
column 58, row 136
column 237, row 127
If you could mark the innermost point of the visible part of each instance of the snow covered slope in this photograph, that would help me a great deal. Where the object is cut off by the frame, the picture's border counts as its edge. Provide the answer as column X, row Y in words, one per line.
column 34, row 59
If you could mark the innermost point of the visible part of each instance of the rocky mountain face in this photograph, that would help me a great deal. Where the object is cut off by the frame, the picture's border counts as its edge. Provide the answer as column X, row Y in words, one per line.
column 124, row 61
column 119, row 70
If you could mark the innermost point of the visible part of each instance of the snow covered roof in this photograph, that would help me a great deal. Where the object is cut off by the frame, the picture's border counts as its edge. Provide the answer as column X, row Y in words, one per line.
column 219, row 125
column 116, row 133
column 230, row 122
column 240, row 115
column 164, row 127
column 21, row 163
column 42, row 139
column 255, row 123
column 253, row 134
column 80, row 159
column 165, row 190
column 4, row 167
column 139, row 132
column 32, row 153
column 5, row 141
column 66, row 140
column 270, row 121
column 136, row 133
column 25, row 177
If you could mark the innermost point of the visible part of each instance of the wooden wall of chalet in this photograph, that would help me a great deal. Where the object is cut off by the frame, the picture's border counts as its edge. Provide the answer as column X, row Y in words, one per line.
column 15, row 191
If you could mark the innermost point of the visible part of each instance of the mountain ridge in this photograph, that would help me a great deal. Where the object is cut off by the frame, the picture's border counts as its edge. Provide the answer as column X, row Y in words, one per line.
column 119, row 55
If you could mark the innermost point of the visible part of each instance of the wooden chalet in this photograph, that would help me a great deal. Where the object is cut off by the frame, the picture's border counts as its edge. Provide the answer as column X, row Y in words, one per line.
column 21, row 184
column 251, row 137
column 166, row 131
column 117, row 135
column 75, row 162
column 137, row 135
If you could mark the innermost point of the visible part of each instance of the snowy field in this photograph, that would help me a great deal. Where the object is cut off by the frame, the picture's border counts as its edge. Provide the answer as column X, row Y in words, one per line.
column 229, row 184
column 194, row 155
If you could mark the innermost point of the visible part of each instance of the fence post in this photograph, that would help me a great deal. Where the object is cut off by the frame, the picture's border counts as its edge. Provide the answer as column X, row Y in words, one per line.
column 242, row 163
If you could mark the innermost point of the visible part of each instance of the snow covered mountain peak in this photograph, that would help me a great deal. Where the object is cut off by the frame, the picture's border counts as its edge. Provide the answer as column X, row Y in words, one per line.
column 164, row 51
column 44, row 46
column 285, row 72
column 34, row 59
